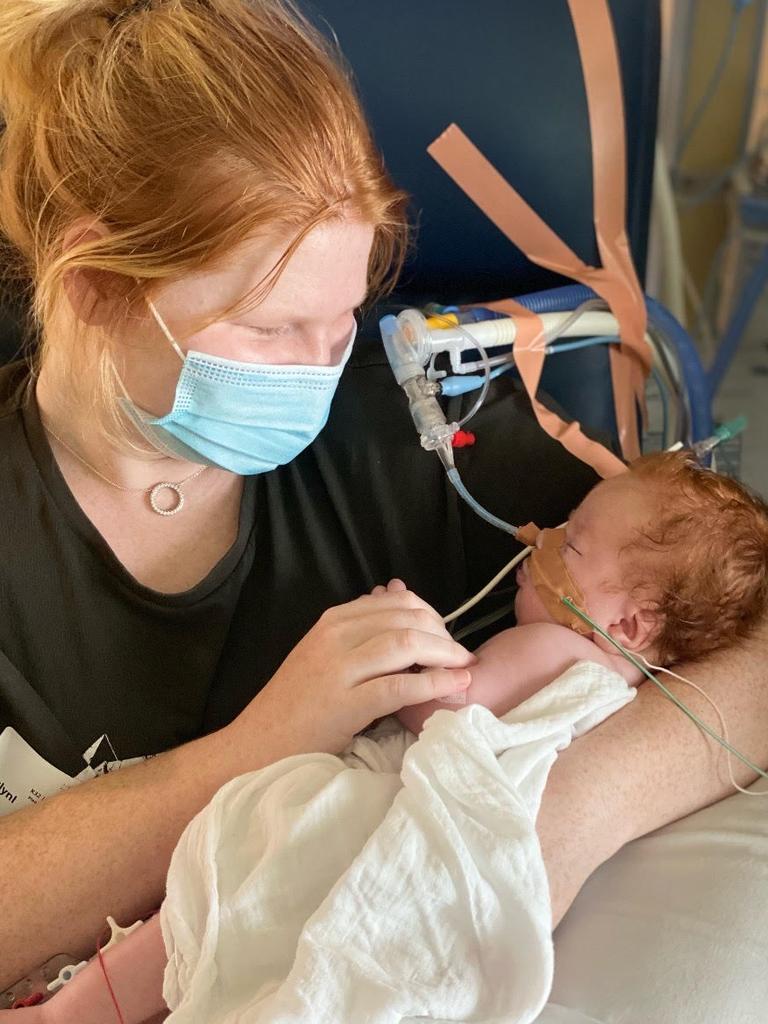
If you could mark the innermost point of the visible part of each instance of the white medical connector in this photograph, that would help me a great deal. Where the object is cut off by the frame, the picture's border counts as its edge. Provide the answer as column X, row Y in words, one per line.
column 424, row 341
column 407, row 348
column 407, row 359
column 118, row 933
column 65, row 975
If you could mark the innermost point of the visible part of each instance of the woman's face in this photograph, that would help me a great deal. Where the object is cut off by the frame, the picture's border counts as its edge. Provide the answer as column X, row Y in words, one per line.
column 306, row 318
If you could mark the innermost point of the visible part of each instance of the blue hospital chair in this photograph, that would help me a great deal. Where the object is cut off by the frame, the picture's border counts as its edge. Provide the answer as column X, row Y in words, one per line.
column 509, row 75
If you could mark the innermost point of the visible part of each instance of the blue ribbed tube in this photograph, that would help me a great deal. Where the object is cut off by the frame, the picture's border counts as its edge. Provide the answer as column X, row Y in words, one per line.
column 557, row 300
column 570, row 296
column 694, row 377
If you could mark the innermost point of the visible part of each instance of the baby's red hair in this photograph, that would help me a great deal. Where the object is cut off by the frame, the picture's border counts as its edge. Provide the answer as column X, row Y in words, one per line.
column 711, row 585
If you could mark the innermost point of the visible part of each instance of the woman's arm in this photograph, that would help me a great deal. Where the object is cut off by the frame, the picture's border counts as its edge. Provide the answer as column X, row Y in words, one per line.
column 104, row 847
column 649, row 765
column 101, row 848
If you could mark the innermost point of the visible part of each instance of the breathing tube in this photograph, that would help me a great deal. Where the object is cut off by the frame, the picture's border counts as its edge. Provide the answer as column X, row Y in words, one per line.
column 453, row 386
column 408, row 351
column 410, row 347
column 412, row 340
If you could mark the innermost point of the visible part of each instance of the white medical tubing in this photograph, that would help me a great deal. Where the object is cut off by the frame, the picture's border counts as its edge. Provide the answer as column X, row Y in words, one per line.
column 718, row 712
column 489, row 586
column 486, row 364
column 668, row 693
column 463, row 338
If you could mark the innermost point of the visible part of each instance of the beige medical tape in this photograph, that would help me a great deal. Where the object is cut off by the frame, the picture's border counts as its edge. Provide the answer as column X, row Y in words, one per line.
column 605, row 102
column 529, row 359
column 615, row 282
column 550, row 577
column 527, row 534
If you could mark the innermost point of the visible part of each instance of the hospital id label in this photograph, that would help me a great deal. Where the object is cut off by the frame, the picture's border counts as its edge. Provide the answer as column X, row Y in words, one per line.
column 25, row 777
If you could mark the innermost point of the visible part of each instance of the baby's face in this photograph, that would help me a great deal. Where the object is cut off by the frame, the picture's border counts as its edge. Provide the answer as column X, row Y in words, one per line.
column 606, row 521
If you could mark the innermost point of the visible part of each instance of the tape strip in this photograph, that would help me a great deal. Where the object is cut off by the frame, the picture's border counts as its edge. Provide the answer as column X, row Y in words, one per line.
column 527, row 534
column 529, row 359
column 616, row 281
column 550, row 577
column 605, row 102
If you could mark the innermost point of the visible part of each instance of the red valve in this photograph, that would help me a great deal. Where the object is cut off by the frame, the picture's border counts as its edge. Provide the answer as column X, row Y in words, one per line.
column 463, row 439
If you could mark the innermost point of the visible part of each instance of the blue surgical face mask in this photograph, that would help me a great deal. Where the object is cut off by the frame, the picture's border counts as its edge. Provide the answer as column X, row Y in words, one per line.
column 245, row 417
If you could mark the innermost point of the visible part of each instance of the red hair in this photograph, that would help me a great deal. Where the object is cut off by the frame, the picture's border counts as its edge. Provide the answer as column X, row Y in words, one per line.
column 184, row 127
column 711, row 583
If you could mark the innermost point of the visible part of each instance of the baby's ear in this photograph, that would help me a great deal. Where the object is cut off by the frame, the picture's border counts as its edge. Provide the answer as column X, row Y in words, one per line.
column 637, row 629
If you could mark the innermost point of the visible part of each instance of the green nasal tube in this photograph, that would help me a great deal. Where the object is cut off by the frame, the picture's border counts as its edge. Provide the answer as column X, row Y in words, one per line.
column 675, row 700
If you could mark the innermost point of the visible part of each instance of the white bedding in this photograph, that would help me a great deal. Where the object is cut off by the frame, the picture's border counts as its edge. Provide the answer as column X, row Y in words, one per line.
column 674, row 928
column 400, row 881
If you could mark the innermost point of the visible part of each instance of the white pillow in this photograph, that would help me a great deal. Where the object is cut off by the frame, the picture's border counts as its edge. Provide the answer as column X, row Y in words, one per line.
column 674, row 928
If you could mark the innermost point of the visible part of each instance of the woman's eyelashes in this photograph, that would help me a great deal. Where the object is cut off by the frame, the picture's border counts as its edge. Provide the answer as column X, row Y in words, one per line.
column 289, row 328
column 268, row 332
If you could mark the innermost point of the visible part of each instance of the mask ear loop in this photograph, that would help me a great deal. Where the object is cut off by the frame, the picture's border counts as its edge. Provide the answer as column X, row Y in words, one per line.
column 164, row 328
column 172, row 341
column 157, row 445
column 722, row 740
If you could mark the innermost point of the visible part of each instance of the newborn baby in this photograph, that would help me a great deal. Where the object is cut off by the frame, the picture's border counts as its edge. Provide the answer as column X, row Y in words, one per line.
column 670, row 559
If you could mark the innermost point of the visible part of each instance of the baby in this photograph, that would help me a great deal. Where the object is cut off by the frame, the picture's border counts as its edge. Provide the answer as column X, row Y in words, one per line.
column 669, row 559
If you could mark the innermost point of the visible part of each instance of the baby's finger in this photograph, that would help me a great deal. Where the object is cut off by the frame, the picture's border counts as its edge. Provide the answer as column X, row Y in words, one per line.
column 379, row 590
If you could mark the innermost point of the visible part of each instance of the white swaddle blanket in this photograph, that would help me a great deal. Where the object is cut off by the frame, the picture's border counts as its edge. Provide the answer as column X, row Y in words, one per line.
column 401, row 880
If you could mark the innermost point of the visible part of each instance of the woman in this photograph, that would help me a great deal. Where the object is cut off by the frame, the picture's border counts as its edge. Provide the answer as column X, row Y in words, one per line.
column 196, row 201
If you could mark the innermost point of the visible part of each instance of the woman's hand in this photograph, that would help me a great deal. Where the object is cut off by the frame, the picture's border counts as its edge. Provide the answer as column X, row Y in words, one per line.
column 353, row 667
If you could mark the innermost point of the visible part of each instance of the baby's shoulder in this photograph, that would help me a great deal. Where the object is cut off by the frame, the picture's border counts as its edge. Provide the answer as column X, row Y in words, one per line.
column 548, row 639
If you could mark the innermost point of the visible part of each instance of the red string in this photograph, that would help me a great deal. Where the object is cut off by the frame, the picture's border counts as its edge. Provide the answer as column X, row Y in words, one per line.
column 120, row 1017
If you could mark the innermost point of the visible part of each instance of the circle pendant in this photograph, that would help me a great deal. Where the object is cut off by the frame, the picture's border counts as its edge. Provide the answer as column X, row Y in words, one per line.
column 153, row 494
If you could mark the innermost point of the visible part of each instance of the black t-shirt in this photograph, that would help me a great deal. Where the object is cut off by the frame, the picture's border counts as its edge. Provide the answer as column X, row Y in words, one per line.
column 86, row 650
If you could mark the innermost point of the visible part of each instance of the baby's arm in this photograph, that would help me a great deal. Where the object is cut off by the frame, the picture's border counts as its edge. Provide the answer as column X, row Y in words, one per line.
column 511, row 666
column 135, row 970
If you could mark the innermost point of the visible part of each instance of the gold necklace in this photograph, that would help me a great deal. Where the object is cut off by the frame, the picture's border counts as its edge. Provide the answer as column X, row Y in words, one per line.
column 154, row 491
